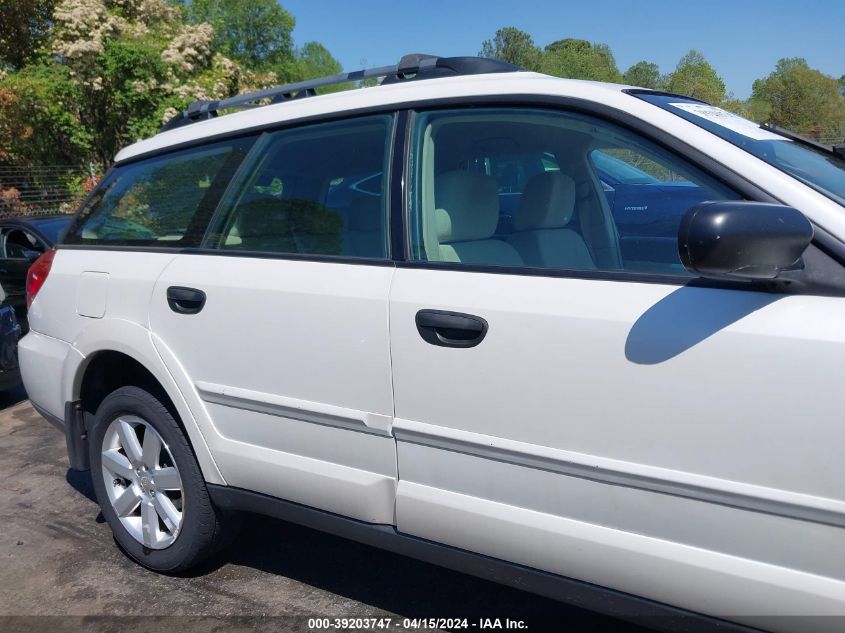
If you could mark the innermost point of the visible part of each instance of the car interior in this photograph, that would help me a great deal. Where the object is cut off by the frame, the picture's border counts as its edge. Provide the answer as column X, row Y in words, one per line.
column 18, row 243
column 306, row 194
column 513, row 188
column 561, row 218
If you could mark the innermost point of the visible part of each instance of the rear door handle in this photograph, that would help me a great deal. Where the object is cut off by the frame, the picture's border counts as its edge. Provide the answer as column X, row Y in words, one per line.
column 184, row 300
column 450, row 329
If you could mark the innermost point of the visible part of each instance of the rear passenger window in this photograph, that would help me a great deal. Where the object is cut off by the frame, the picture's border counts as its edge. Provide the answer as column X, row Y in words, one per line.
column 166, row 201
column 315, row 190
column 547, row 189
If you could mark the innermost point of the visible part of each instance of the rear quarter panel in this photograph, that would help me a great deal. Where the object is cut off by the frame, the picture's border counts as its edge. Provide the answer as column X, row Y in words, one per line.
column 123, row 327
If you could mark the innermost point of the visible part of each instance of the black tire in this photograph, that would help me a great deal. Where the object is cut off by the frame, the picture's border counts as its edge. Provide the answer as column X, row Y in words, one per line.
column 204, row 528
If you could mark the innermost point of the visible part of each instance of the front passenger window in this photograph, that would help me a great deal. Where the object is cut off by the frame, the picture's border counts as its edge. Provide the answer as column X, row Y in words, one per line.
column 547, row 189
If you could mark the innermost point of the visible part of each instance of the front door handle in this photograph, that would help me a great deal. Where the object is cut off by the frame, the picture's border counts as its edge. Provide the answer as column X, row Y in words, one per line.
column 184, row 300
column 450, row 329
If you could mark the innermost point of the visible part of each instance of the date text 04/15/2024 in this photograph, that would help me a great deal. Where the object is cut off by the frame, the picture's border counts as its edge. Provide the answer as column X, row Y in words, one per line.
column 416, row 623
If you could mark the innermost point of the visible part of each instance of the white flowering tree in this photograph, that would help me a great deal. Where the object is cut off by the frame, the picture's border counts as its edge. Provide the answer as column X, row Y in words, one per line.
column 113, row 71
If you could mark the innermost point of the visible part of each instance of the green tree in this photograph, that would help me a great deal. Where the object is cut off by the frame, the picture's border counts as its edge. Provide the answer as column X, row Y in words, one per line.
column 799, row 97
column 314, row 60
column 24, row 25
column 696, row 78
column 579, row 59
column 255, row 33
column 512, row 45
column 644, row 75
column 40, row 117
column 114, row 71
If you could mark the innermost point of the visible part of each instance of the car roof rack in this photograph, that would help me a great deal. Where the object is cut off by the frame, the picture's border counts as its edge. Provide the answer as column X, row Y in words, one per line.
column 410, row 67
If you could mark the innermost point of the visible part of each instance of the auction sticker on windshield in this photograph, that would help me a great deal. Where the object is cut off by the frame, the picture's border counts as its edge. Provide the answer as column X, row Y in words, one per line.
column 728, row 120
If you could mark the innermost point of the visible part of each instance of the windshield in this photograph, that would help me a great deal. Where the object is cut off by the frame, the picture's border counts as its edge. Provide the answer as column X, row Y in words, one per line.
column 821, row 170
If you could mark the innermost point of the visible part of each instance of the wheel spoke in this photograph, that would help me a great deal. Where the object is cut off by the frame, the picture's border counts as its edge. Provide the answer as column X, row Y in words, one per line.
column 149, row 523
column 167, row 479
column 129, row 441
column 126, row 502
column 134, row 451
column 117, row 464
column 152, row 448
column 167, row 511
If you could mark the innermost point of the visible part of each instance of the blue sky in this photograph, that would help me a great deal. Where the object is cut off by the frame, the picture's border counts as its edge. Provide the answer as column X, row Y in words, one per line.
column 743, row 39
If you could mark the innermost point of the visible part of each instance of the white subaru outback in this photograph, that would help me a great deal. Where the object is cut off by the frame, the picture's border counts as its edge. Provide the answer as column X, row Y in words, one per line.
column 578, row 337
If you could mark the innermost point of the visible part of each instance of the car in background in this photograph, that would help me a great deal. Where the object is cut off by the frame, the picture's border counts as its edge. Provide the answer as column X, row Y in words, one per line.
column 646, row 202
column 22, row 241
column 10, row 332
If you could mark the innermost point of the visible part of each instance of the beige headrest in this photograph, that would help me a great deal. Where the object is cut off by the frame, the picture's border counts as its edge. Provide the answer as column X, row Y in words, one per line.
column 467, row 206
column 547, row 202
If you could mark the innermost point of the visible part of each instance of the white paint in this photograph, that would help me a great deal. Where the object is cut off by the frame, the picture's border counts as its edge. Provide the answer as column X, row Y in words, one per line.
column 55, row 369
column 92, row 294
column 689, row 577
column 307, row 336
column 734, row 392
column 41, row 359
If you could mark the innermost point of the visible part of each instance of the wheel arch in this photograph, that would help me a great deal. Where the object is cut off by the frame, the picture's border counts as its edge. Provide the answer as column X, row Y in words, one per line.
column 113, row 353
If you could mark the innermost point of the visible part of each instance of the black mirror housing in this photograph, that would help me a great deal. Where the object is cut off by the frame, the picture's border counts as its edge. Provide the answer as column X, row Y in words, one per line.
column 742, row 240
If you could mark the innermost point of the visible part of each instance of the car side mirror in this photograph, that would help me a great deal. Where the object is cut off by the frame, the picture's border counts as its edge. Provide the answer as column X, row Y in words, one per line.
column 31, row 255
column 742, row 240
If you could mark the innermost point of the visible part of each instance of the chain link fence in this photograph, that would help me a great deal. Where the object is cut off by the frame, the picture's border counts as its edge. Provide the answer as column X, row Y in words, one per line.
column 832, row 135
column 44, row 190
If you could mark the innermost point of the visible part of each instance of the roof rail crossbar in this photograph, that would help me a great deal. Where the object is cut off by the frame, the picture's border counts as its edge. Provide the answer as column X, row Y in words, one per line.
column 416, row 66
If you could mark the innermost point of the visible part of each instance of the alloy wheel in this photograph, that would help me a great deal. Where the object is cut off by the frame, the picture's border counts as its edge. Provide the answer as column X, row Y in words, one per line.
column 142, row 481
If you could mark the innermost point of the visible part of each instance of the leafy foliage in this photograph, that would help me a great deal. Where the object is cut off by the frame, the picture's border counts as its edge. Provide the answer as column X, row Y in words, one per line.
column 696, row 78
column 579, row 59
column 800, row 97
column 81, row 78
column 514, row 46
column 110, row 72
column 645, row 75
column 24, row 27
column 257, row 34
column 39, row 117
column 794, row 95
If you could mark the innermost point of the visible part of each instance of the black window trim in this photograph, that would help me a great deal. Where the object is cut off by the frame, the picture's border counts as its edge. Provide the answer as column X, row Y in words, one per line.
column 823, row 240
column 397, row 183
column 387, row 260
column 77, row 215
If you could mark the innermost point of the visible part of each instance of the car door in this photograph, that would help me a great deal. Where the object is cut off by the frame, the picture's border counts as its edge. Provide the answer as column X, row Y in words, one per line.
column 19, row 248
column 569, row 407
column 280, row 323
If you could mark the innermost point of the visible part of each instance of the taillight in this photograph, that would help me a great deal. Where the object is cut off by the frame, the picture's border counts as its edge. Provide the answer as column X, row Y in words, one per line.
column 37, row 275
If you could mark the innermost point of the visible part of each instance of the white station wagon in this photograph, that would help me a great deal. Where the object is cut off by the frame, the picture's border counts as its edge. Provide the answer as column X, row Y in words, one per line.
column 581, row 338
